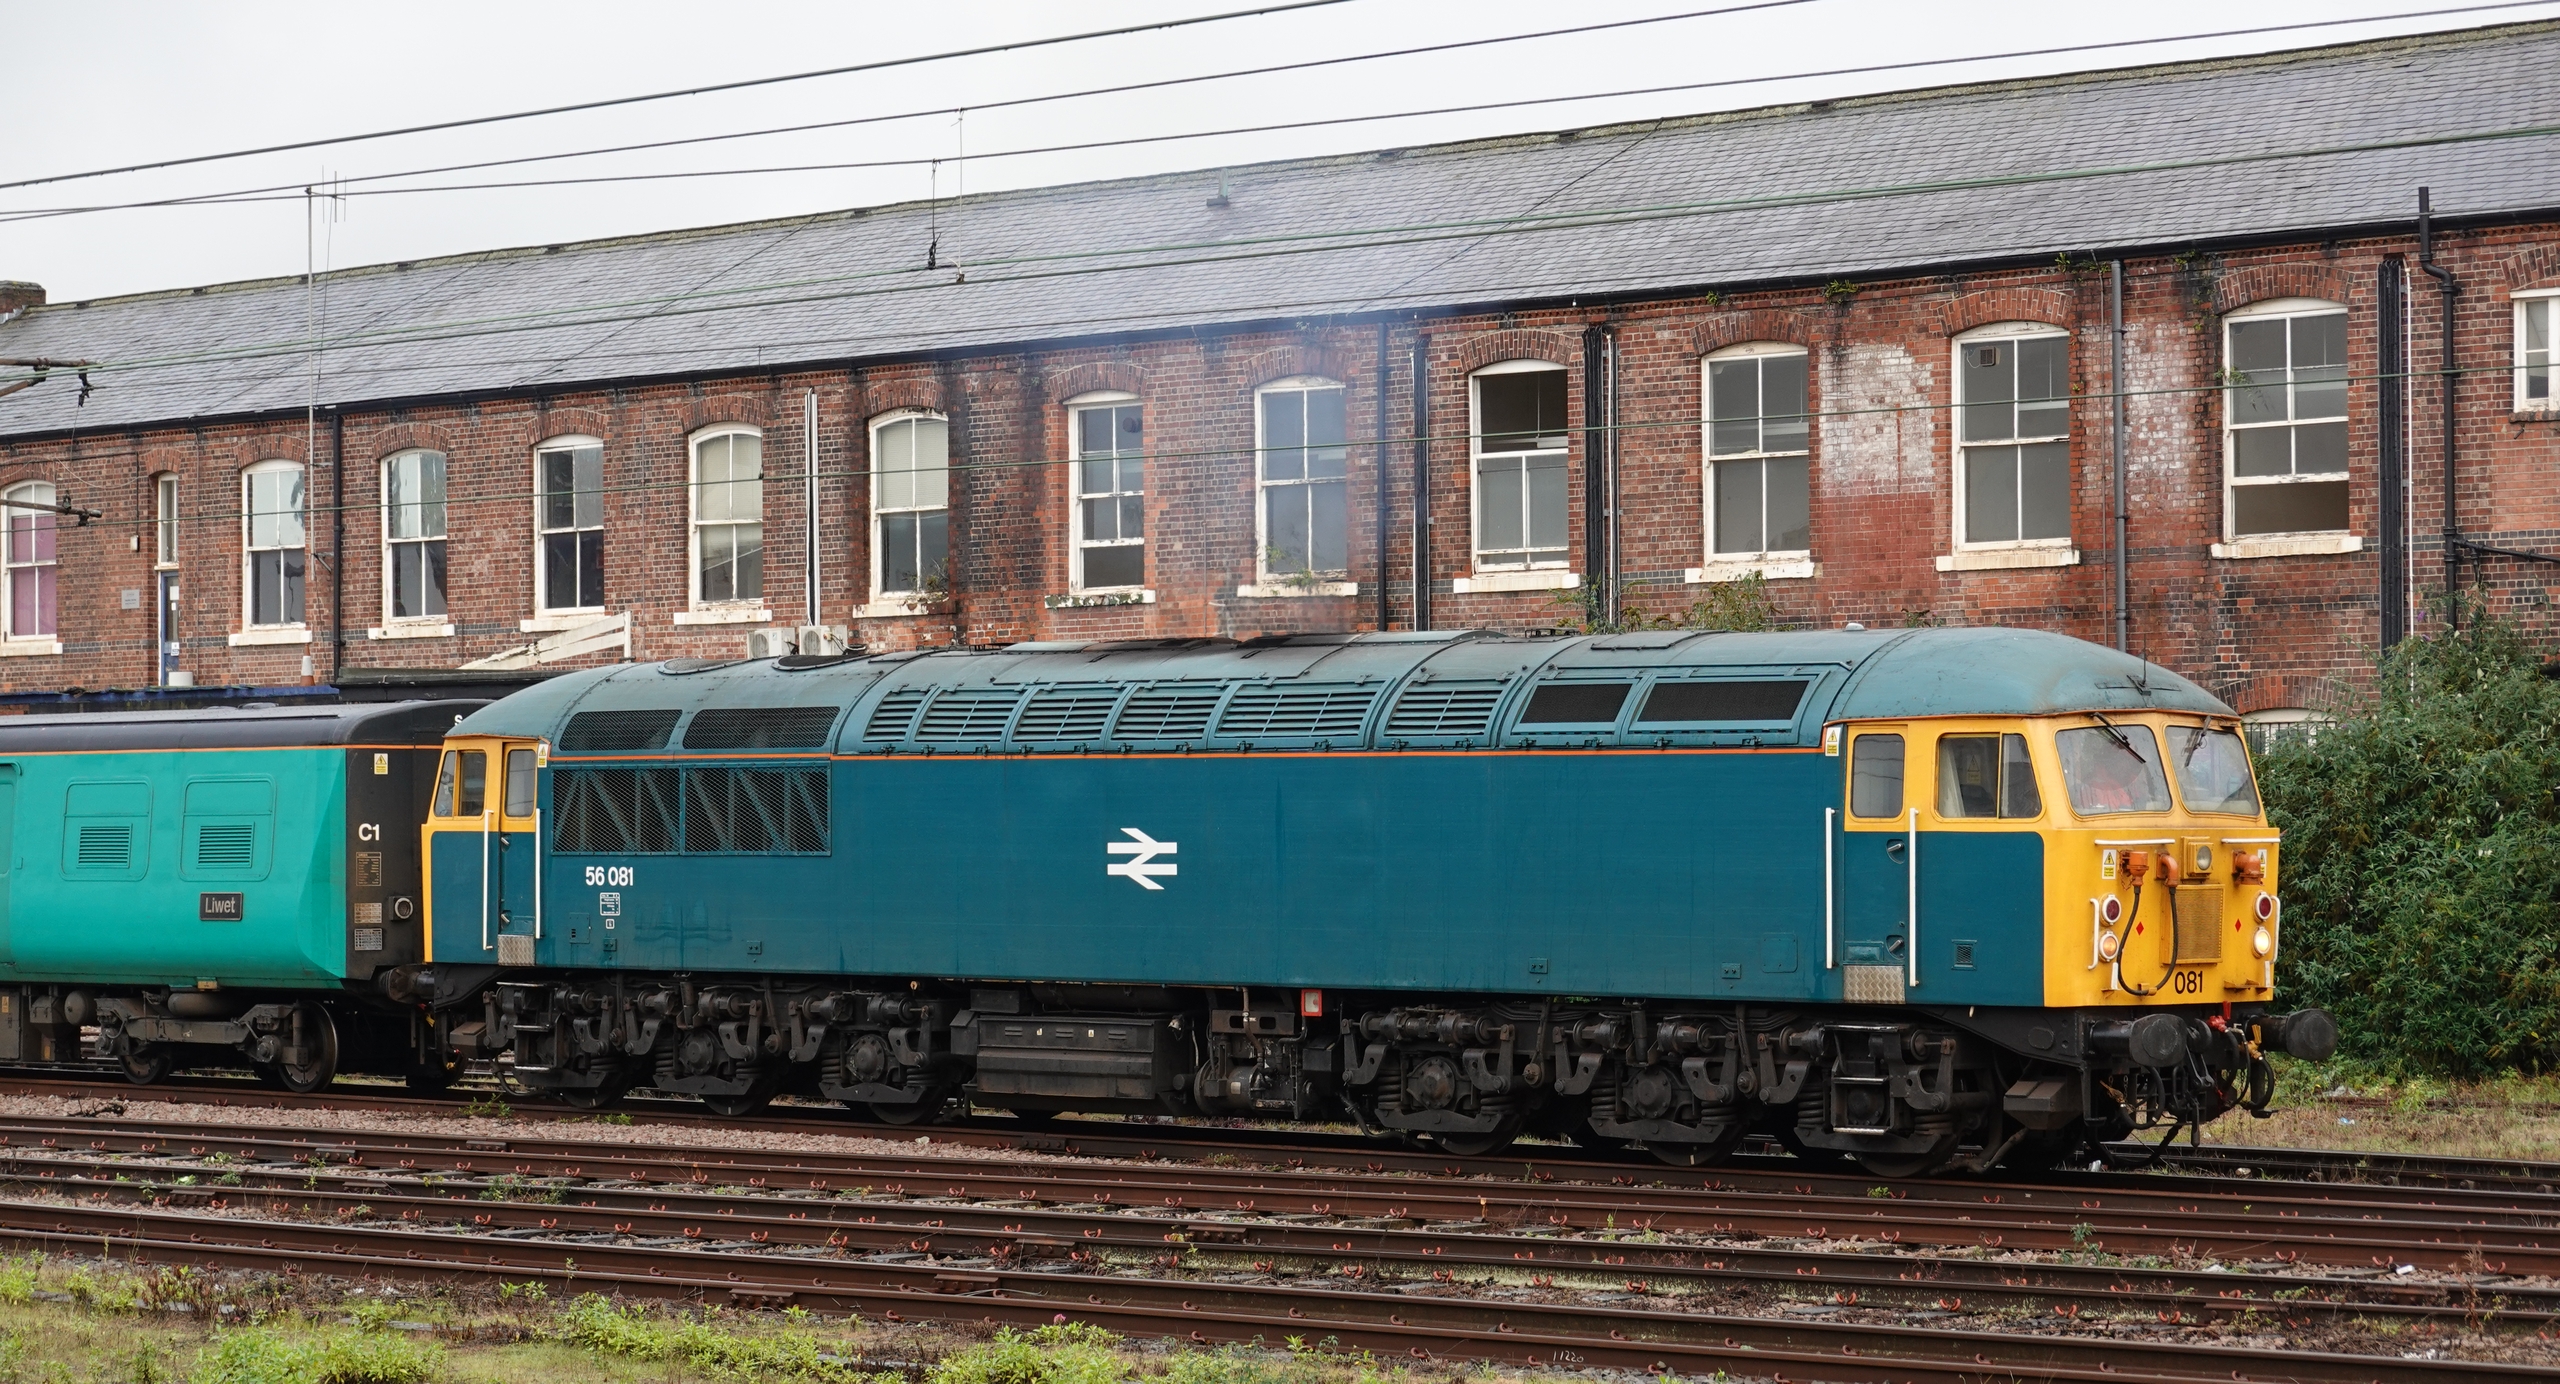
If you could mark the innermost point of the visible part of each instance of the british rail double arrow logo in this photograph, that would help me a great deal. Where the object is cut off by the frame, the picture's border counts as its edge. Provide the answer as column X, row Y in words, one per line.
column 1142, row 864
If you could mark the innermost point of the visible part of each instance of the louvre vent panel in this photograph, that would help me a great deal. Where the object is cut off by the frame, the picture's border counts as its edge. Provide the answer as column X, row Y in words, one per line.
column 226, row 846
column 895, row 716
column 1255, row 712
column 973, row 714
column 1447, row 709
column 1723, row 701
column 593, row 731
column 1166, row 713
column 1067, row 714
column 106, row 847
column 2199, row 921
column 760, row 728
column 710, row 811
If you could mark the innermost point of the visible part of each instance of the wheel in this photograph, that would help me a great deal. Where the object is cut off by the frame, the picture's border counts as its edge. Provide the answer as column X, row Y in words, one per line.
column 1698, row 1155
column 1472, row 1145
column 1898, row 1165
column 321, row 1036
column 1820, row 1158
column 913, row 1113
column 146, row 1066
column 598, row 1097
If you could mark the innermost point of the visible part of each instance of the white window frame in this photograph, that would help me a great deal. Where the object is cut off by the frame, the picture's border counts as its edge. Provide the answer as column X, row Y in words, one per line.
column 694, row 521
column 2234, row 543
column 249, row 550
column 1766, row 562
column 164, row 521
column 1550, row 571
column 916, row 598
column 1327, row 581
column 436, row 624
column 1957, row 505
column 2547, row 299
column 1076, row 543
column 36, row 492
column 2279, row 722
column 543, row 612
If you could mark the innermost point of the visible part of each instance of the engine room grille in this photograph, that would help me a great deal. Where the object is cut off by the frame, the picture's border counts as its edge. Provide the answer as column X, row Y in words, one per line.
column 895, row 715
column 2199, row 918
column 614, row 811
column 1292, row 711
column 755, row 811
column 106, row 847
column 617, row 730
column 226, row 846
column 1166, row 713
column 760, row 728
column 970, row 714
column 1067, row 713
column 1453, row 709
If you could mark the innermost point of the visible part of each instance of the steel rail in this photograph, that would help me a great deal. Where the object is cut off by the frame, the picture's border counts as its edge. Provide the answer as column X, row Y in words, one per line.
column 2222, row 1230
column 1536, row 1334
column 1013, row 1232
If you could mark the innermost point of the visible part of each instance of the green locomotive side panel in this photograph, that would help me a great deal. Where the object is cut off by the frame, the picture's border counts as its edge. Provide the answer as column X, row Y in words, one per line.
column 178, row 867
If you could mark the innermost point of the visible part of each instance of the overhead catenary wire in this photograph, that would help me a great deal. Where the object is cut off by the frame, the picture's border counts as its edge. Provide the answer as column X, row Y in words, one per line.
column 704, row 89
column 285, row 192
column 1241, row 249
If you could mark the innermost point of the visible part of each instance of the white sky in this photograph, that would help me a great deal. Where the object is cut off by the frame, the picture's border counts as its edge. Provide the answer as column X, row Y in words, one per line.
column 100, row 84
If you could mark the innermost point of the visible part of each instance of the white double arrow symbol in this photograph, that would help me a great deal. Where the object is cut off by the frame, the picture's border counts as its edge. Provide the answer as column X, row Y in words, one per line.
column 1143, row 866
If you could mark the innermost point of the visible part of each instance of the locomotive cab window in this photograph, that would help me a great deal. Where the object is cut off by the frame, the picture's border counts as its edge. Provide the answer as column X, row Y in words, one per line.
column 1875, row 776
column 2213, row 770
column 472, row 781
column 1987, row 776
column 520, row 781
column 444, row 785
column 2112, row 768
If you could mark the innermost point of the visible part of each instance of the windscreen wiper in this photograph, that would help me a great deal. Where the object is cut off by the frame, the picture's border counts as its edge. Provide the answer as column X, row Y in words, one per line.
column 2117, row 736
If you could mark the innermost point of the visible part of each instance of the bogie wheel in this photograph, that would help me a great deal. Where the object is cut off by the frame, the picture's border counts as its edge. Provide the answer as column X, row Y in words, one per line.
column 599, row 1097
column 1477, row 1145
column 1898, row 1165
column 756, row 1097
column 1820, row 1158
column 1697, row 1155
column 146, row 1066
column 320, row 1039
column 909, row 1113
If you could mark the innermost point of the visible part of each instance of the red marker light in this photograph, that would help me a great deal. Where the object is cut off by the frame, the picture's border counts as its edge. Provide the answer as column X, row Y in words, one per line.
column 1311, row 1004
column 2111, row 910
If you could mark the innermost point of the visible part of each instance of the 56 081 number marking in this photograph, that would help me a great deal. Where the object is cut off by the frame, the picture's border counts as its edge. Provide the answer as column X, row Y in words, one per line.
column 615, row 875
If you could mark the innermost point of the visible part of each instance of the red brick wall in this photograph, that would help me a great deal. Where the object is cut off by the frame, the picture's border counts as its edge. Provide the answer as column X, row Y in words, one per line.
column 2265, row 632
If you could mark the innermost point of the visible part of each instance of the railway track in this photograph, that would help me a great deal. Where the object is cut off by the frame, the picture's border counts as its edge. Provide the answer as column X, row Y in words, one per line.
column 1418, row 1262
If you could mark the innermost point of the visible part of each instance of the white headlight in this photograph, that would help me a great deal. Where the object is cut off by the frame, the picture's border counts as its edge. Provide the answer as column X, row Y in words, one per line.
column 2264, row 942
column 2109, row 944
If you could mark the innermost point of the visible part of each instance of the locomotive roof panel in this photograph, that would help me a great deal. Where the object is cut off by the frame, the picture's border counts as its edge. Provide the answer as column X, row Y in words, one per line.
column 1331, row 690
column 369, row 723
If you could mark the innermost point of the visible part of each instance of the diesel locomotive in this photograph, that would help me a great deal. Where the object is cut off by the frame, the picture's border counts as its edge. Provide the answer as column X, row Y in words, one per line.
column 1926, row 899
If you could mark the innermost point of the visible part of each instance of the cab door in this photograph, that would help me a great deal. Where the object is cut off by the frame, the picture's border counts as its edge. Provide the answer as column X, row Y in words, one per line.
column 516, row 851
column 461, row 855
column 1876, row 867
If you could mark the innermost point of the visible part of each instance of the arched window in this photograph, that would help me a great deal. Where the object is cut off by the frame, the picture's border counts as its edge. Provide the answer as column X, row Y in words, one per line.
column 164, row 519
column 1519, row 450
column 1759, row 454
column 2538, row 350
column 2013, row 436
column 30, row 556
column 568, row 521
column 2282, row 725
column 728, row 515
column 272, row 515
column 413, row 559
column 1107, row 456
column 910, row 504
column 1303, row 466
column 2284, row 418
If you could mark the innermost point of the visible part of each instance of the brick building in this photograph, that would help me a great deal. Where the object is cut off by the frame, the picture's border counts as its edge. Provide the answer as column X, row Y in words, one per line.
column 1864, row 352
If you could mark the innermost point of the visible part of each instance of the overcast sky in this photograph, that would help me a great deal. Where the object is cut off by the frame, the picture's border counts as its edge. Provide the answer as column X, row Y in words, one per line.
column 102, row 84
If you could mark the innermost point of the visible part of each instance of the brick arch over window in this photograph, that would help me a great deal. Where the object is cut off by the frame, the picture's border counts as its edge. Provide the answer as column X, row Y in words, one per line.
column 2240, row 288
column 568, row 422
column 1967, row 311
column 399, row 437
column 889, row 395
column 1765, row 324
column 1295, row 359
column 749, row 409
column 1492, row 348
column 1091, row 376
column 248, row 451
column 2536, row 266
column 2271, row 691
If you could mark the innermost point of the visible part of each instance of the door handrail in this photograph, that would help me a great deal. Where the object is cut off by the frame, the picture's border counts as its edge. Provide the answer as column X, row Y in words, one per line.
column 537, row 874
column 485, row 943
column 1911, row 920
column 1830, row 912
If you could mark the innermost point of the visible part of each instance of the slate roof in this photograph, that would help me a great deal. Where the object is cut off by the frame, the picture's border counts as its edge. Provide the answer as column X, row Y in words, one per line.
column 1825, row 191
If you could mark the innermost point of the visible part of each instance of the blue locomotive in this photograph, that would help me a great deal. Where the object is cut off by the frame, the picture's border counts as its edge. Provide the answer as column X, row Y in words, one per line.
column 1921, row 898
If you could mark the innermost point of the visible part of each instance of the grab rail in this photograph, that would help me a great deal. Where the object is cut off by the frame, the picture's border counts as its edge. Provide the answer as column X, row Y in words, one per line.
column 1911, row 924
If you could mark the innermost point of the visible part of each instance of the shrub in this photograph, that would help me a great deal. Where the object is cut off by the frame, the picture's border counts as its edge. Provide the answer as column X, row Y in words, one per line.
column 1065, row 1353
column 593, row 1323
column 2421, row 861
column 266, row 1355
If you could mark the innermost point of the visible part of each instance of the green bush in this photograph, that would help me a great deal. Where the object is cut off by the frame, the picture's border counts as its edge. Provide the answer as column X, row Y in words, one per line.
column 792, row 1352
column 2420, row 871
column 265, row 1355
column 1067, row 1353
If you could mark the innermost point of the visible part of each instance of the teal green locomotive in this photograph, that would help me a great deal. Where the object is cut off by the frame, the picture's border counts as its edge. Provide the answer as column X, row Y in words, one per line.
column 219, row 886
column 1926, row 899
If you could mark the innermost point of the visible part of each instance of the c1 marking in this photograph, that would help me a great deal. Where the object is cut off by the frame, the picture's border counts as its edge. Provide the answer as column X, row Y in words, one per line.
column 1142, row 866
